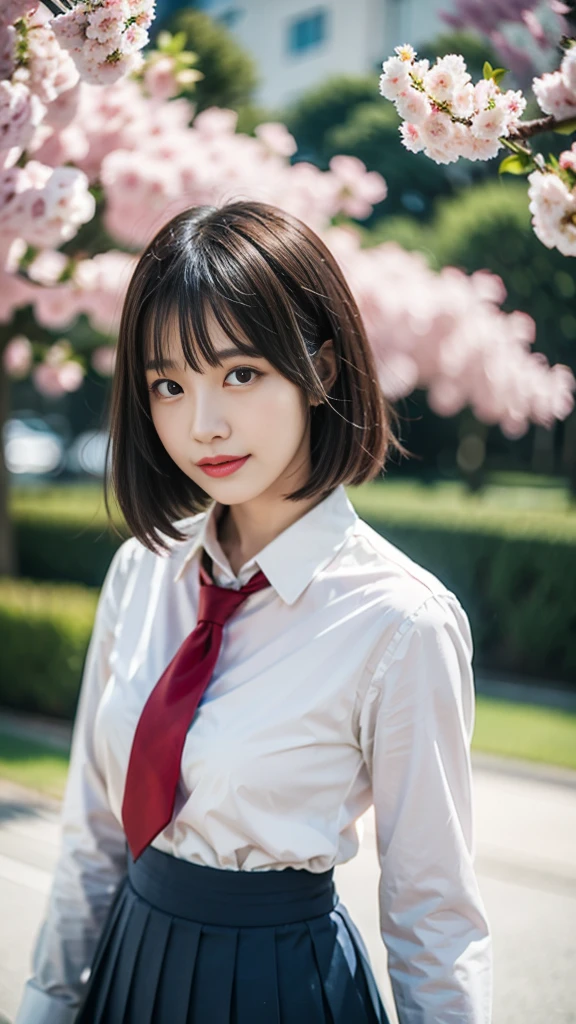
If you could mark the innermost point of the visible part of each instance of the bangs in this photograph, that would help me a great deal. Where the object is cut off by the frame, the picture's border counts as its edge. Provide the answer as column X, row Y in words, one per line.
column 256, row 306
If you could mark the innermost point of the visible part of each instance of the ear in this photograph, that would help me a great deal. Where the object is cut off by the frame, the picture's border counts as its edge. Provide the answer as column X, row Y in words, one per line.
column 325, row 363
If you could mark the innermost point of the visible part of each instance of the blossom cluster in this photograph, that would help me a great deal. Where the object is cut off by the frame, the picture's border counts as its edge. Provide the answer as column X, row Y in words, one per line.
column 45, row 204
column 444, row 114
column 556, row 90
column 552, row 195
column 105, row 37
column 447, row 333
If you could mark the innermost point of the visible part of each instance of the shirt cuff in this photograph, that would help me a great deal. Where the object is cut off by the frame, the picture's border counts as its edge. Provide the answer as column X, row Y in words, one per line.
column 37, row 1007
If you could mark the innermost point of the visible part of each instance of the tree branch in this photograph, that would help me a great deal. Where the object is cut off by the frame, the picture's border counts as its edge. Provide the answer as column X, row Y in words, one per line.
column 526, row 129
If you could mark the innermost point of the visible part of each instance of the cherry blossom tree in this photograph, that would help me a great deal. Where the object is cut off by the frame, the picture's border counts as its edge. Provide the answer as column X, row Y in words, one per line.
column 447, row 116
column 95, row 136
column 498, row 21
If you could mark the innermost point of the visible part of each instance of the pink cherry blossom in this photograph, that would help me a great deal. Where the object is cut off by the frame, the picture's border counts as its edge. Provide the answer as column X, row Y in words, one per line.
column 17, row 357
column 160, row 79
column 44, row 205
column 20, row 112
column 102, row 41
column 553, row 209
column 276, row 137
column 554, row 96
column 395, row 78
column 103, row 360
column 359, row 189
column 444, row 332
column 568, row 69
column 445, row 114
column 487, row 124
column 54, row 380
column 411, row 137
column 413, row 106
column 567, row 159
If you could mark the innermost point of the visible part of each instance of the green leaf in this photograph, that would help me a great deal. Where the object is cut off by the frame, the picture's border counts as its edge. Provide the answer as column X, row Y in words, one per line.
column 516, row 163
column 567, row 128
column 487, row 70
column 498, row 74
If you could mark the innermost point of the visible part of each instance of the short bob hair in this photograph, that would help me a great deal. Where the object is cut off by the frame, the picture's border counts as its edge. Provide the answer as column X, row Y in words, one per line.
column 268, row 278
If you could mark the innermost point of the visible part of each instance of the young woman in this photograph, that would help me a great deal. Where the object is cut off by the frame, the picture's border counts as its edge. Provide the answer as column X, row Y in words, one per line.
column 263, row 667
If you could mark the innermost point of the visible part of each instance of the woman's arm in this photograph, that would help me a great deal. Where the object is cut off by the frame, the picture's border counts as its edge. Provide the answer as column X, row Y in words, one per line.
column 92, row 858
column 416, row 724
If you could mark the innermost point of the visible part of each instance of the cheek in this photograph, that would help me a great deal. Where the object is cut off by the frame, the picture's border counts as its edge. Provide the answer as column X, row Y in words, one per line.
column 282, row 409
column 166, row 425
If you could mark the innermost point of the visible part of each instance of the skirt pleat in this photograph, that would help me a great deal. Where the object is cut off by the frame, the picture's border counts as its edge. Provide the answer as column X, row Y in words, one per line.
column 154, row 966
column 126, row 963
column 215, row 968
column 338, row 971
column 256, row 996
column 175, row 988
column 152, row 953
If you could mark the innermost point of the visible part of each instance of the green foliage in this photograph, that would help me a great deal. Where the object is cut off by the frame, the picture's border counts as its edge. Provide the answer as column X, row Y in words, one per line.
column 64, row 534
column 44, row 635
column 319, row 110
column 496, row 74
column 476, row 51
column 568, row 128
column 516, row 163
column 230, row 76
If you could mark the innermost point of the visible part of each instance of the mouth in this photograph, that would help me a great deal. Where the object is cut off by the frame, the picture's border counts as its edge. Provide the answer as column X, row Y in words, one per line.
column 222, row 466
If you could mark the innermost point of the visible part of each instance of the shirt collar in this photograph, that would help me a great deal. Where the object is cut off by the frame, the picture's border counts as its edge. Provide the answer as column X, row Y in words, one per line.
column 296, row 555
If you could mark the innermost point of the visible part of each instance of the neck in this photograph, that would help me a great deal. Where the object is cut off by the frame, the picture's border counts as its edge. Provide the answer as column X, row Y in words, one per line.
column 243, row 530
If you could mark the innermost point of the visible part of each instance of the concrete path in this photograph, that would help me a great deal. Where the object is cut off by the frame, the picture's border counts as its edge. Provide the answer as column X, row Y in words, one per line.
column 525, row 860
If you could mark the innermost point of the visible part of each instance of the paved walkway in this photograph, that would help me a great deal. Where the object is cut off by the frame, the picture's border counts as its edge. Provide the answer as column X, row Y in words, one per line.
column 525, row 860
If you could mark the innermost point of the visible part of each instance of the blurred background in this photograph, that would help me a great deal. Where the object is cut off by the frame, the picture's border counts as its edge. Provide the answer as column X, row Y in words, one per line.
column 493, row 515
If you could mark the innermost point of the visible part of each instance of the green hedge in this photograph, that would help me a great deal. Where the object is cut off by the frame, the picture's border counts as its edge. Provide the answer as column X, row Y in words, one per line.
column 64, row 533
column 513, row 571
column 44, row 633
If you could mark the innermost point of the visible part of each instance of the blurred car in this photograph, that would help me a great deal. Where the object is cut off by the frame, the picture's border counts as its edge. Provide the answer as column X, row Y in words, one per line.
column 87, row 453
column 32, row 448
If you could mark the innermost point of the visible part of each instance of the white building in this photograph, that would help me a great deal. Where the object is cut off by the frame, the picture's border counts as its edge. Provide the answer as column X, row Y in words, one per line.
column 298, row 43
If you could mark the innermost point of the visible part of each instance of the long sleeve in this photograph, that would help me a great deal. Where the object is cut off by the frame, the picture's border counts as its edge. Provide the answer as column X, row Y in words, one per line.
column 92, row 856
column 416, row 725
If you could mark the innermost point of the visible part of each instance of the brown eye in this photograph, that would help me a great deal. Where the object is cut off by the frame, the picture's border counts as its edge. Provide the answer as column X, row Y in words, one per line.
column 169, row 383
column 243, row 371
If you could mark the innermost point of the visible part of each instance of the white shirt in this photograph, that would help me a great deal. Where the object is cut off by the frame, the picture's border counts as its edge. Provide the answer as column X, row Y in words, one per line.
column 347, row 681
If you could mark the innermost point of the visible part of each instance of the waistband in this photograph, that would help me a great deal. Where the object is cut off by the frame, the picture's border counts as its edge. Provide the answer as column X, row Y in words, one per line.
column 217, row 896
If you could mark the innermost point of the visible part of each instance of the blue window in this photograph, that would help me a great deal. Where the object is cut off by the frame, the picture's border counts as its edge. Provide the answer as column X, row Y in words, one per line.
column 307, row 32
column 231, row 17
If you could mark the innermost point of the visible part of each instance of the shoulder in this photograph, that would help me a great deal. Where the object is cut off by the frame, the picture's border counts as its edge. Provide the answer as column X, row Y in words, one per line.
column 134, row 565
column 410, row 602
column 401, row 580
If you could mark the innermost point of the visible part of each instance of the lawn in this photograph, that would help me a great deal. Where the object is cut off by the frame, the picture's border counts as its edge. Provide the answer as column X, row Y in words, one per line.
column 526, row 731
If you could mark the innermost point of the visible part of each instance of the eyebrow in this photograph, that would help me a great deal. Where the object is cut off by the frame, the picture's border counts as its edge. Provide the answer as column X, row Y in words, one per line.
column 225, row 353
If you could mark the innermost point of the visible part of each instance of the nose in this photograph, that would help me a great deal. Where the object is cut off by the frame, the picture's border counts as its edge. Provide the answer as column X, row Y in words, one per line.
column 207, row 419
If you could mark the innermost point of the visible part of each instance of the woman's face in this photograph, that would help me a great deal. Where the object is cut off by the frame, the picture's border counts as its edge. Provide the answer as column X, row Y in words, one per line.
column 244, row 407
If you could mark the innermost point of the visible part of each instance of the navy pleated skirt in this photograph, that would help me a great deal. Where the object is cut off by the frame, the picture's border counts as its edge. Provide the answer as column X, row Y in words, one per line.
column 188, row 944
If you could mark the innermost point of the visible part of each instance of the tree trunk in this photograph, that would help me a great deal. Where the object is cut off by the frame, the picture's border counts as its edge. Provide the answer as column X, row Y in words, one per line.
column 8, row 558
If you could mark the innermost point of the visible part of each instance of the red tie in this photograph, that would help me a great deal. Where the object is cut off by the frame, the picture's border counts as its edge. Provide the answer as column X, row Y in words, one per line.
column 154, row 766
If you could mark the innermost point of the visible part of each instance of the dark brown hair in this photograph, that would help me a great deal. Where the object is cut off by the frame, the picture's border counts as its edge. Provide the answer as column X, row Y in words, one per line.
column 265, row 275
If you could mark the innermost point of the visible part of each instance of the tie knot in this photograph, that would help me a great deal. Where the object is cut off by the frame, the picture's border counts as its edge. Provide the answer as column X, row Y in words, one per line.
column 217, row 604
